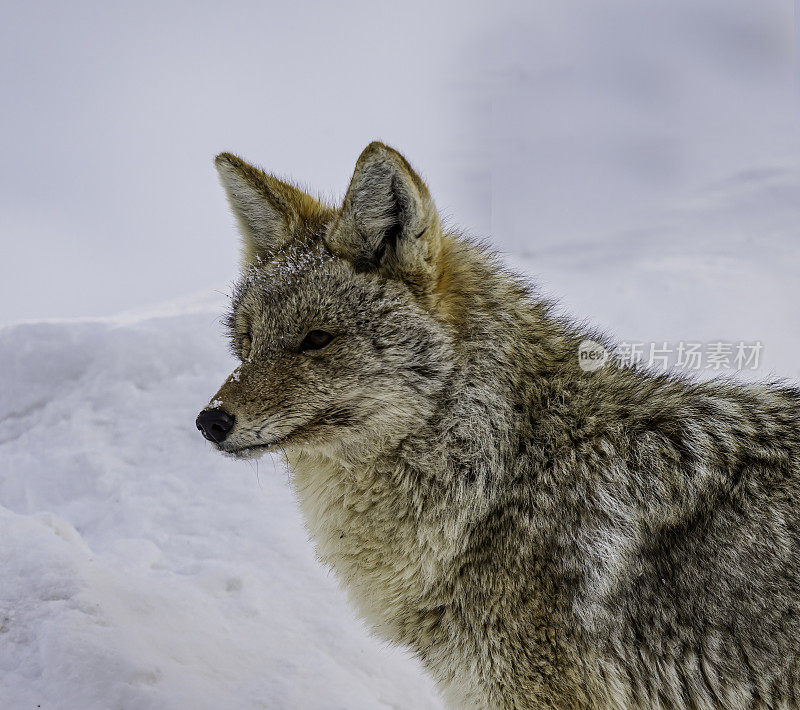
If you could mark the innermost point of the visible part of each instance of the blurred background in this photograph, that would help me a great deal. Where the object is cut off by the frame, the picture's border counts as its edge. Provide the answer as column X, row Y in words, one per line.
column 606, row 127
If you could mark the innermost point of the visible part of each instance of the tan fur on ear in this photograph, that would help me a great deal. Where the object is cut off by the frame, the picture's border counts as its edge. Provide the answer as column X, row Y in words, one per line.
column 388, row 220
column 270, row 212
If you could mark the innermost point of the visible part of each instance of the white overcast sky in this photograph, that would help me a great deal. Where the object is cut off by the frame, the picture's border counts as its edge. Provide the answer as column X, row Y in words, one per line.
column 536, row 124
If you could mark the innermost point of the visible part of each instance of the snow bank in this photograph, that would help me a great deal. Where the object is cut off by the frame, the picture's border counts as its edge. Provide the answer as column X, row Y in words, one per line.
column 141, row 570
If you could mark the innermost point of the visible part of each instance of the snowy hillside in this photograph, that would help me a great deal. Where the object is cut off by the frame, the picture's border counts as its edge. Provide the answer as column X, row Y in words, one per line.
column 141, row 570
column 544, row 124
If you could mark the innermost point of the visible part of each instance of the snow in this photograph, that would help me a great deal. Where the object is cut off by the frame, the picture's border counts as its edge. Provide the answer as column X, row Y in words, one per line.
column 142, row 570
column 538, row 123
column 719, row 266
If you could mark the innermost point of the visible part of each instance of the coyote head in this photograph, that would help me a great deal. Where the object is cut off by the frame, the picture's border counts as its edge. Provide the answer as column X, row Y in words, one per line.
column 336, row 318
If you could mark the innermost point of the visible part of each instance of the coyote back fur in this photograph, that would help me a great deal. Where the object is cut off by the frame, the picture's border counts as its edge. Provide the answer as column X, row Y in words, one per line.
column 539, row 536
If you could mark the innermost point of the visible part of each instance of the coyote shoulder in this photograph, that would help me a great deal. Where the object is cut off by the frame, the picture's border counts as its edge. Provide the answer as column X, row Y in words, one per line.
column 540, row 536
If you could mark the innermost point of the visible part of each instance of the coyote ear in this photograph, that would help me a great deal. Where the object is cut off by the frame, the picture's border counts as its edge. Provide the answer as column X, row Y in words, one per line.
column 388, row 219
column 267, row 209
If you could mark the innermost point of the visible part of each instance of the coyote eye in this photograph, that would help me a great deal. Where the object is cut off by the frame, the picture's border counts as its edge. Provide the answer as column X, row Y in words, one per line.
column 315, row 340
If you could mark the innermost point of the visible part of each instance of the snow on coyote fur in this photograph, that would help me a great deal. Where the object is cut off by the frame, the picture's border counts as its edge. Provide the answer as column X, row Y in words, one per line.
column 539, row 535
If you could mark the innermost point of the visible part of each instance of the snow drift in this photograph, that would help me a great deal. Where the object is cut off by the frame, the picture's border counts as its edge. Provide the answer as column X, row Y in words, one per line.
column 141, row 570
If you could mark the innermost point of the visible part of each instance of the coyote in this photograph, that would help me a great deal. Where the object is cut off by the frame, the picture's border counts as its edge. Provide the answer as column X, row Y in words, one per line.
column 538, row 534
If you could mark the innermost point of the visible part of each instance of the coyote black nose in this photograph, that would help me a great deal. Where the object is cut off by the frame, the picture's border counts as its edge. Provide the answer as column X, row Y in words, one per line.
column 214, row 424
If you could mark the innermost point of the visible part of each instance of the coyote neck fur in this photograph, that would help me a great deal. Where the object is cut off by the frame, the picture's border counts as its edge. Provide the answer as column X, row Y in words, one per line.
column 403, row 523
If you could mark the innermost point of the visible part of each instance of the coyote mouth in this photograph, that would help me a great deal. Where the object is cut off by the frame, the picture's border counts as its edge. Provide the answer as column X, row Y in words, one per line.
column 254, row 450
column 249, row 452
column 330, row 416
